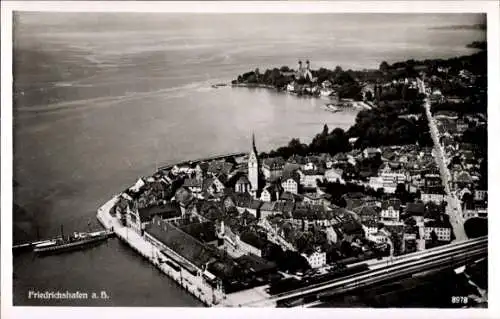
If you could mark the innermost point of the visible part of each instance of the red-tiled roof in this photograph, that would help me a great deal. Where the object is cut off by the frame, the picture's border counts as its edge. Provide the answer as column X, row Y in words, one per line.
column 464, row 177
column 243, row 180
column 204, row 232
column 183, row 196
column 203, row 166
column 242, row 200
column 192, row 182
column 291, row 174
column 394, row 202
column 255, row 204
column 367, row 211
column 217, row 167
column 274, row 163
column 182, row 243
column 311, row 172
column 169, row 210
column 256, row 263
column 267, row 206
column 415, row 208
column 254, row 239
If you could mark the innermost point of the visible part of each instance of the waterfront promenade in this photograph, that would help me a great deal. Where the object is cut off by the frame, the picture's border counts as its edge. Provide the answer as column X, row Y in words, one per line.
column 195, row 285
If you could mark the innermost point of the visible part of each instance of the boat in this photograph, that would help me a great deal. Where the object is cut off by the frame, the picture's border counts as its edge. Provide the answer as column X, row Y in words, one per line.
column 332, row 108
column 75, row 241
column 326, row 92
column 218, row 85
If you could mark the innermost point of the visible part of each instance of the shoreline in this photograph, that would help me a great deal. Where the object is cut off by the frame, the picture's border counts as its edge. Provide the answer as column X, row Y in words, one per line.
column 361, row 105
column 255, row 85
column 194, row 285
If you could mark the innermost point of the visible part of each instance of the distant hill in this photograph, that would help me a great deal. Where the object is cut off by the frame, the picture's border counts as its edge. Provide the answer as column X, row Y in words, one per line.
column 478, row 26
column 481, row 45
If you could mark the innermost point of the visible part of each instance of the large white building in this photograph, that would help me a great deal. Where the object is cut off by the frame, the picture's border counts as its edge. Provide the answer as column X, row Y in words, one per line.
column 443, row 233
column 429, row 197
column 272, row 168
column 390, row 210
column 480, row 195
column 370, row 228
column 334, row 175
column 316, row 260
column 392, row 179
column 474, row 213
column 290, row 183
column 379, row 238
column 309, row 179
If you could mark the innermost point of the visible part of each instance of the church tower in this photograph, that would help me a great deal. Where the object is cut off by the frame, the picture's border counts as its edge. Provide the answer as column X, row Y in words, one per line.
column 253, row 169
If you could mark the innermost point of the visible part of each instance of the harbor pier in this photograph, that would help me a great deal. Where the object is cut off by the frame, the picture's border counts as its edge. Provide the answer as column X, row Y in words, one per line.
column 195, row 285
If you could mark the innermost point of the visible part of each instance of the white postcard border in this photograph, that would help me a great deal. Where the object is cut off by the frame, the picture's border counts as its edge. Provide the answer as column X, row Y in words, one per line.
column 489, row 7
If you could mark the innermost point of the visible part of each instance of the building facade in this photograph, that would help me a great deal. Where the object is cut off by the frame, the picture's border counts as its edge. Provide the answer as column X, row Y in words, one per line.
column 436, row 198
column 290, row 184
column 272, row 168
column 316, row 259
column 443, row 233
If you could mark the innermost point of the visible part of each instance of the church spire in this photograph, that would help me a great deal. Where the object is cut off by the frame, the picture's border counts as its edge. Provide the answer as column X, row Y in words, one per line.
column 253, row 143
column 253, row 168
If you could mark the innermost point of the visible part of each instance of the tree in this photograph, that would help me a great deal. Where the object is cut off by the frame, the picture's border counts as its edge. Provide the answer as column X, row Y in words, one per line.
column 483, row 170
column 369, row 96
column 345, row 248
column 434, row 237
column 404, row 92
column 468, row 198
column 418, row 194
column 433, row 210
column 411, row 222
column 401, row 192
column 325, row 130
column 476, row 227
column 384, row 67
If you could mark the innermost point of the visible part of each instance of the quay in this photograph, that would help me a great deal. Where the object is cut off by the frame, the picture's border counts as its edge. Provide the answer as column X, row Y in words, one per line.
column 193, row 284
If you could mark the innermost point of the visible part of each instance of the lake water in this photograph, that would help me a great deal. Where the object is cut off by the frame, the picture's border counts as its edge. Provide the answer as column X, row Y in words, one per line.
column 102, row 99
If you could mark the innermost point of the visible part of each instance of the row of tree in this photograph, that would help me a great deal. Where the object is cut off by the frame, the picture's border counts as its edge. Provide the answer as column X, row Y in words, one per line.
column 475, row 63
column 332, row 143
column 384, row 126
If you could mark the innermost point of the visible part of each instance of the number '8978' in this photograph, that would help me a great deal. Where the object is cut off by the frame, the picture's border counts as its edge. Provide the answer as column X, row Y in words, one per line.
column 459, row 300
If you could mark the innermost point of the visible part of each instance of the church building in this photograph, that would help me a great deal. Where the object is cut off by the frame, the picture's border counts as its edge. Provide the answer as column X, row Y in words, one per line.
column 304, row 72
column 253, row 169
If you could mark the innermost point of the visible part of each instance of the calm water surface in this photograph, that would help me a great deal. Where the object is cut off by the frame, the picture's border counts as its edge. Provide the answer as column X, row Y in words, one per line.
column 104, row 98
